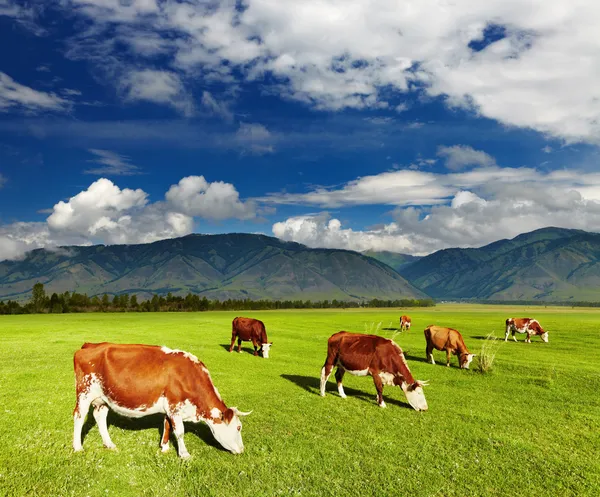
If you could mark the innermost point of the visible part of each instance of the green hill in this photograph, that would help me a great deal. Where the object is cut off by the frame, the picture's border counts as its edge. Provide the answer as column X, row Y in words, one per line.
column 394, row 260
column 550, row 264
column 215, row 266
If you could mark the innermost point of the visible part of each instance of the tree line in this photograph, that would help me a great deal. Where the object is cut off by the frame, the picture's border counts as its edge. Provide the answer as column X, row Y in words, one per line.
column 59, row 303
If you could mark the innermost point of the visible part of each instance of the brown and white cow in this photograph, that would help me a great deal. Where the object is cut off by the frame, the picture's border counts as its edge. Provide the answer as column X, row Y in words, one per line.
column 525, row 325
column 404, row 323
column 138, row 380
column 250, row 330
column 371, row 355
column 450, row 340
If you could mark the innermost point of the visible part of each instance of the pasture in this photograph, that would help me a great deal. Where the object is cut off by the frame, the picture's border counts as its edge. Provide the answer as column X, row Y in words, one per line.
column 529, row 427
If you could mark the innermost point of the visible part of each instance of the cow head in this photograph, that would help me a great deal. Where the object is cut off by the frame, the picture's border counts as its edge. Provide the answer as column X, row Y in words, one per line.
column 414, row 394
column 226, row 427
column 265, row 349
column 465, row 360
column 544, row 336
column 535, row 326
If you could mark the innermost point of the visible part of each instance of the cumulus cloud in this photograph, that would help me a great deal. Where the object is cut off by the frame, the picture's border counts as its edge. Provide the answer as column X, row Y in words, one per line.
column 162, row 87
column 474, row 208
column 526, row 63
column 111, row 164
column 105, row 213
column 195, row 196
column 14, row 95
column 461, row 156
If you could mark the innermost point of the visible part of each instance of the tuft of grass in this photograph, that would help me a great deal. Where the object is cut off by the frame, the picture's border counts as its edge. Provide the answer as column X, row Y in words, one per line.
column 372, row 329
column 487, row 354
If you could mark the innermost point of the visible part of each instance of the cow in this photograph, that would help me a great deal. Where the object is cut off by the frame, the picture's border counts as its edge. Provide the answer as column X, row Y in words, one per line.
column 371, row 355
column 404, row 323
column 525, row 325
column 248, row 329
column 450, row 340
column 139, row 380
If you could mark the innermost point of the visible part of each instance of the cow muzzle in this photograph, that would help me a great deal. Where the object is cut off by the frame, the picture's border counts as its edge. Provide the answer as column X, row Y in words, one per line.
column 415, row 396
column 544, row 337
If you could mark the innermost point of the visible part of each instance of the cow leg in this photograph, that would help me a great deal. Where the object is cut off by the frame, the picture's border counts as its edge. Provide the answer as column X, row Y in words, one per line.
column 82, row 406
column 179, row 431
column 325, row 373
column 339, row 375
column 164, row 441
column 514, row 336
column 429, row 354
column 506, row 334
column 449, row 356
column 255, row 343
column 232, row 342
column 379, row 387
column 527, row 338
column 100, row 415
column 239, row 345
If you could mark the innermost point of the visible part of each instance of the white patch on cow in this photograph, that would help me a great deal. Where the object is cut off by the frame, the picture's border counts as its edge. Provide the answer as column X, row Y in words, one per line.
column 341, row 391
column 359, row 372
column 187, row 411
column 382, row 405
column 265, row 350
column 161, row 406
column 89, row 390
column 228, row 435
column 387, row 379
column 215, row 413
column 191, row 357
column 544, row 337
column 430, row 358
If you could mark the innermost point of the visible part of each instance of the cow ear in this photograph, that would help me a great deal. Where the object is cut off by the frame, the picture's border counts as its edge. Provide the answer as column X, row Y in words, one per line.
column 228, row 415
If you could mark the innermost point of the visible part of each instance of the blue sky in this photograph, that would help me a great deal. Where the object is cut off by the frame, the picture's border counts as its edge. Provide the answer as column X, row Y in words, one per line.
column 352, row 124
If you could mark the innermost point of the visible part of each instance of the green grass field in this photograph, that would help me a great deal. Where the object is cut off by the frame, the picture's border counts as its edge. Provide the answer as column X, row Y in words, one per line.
column 530, row 427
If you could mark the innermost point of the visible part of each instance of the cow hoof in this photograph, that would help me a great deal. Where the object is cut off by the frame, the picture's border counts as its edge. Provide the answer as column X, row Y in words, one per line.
column 382, row 405
column 343, row 396
column 322, row 394
column 185, row 456
column 111, row 446
column 77, row 449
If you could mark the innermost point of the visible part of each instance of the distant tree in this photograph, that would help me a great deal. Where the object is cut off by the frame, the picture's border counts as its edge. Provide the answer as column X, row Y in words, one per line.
column 133, row 303
column 38, row 297
column 105, row 302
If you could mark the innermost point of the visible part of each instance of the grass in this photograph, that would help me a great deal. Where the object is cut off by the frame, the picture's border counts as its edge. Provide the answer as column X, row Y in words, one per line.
column 531, row 426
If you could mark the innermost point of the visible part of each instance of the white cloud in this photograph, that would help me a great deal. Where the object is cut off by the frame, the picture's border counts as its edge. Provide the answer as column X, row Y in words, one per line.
column 334, row 54
column 473, row 208
column 460, row 156
column 112, row 164
column 216, row 108
column 14, row 95
column 162, row 87
column 105, row 213
column 255, row 138
column 195, row 196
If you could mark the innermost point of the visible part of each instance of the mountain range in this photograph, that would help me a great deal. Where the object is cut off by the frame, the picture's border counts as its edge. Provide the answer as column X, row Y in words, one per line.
column 215, row 266
column 549, row 264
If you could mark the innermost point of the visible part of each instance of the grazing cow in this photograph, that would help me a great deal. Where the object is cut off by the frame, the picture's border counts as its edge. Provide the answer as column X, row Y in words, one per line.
column 404, row 323
column 363, row 355
column 525, row 325
column 451, row 341
column 248, row 329
column 138, row 380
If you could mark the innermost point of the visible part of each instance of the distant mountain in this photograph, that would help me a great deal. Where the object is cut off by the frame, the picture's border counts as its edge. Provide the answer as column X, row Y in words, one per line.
column 215, row 266
column 550, row 264
column 394, row 260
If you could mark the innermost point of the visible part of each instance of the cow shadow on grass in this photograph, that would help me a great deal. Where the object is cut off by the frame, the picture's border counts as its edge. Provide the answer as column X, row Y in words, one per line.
column 249, row 350
column 479, row 337
column 391, row 329
column 152, row 421
column 412, row 357
column 313, row 384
